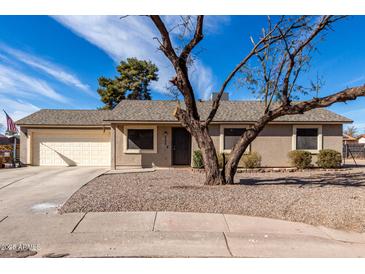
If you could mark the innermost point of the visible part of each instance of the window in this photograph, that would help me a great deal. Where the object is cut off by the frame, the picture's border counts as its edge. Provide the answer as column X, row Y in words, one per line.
column 140, row 139
column 307, row 138
column 231, row 136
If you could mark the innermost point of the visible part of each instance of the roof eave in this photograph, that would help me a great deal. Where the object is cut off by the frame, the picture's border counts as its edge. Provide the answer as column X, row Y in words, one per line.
column 63, row 125
column 228, row 122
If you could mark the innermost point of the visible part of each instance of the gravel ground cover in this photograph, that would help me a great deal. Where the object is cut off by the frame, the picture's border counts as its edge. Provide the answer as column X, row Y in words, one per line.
column 16, row 254
column 331, row 198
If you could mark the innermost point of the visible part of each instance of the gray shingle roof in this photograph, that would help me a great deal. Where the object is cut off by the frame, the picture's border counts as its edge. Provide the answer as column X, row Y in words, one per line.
column 162, row 111
column 228, row 111
column 59, row 117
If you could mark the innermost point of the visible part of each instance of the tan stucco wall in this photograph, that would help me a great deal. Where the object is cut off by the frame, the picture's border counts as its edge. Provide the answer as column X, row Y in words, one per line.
column 23, row 146
column 161, row 159
column 332, row 137
column 273, row 144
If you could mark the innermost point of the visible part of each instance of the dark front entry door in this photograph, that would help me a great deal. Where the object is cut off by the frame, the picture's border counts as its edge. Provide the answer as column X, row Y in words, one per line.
column 181, row 146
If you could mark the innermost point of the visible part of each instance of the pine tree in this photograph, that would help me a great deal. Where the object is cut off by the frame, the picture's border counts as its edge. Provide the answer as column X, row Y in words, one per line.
column 132, row 82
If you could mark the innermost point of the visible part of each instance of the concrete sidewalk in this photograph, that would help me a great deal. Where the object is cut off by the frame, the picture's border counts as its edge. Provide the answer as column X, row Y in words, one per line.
column 175, row 234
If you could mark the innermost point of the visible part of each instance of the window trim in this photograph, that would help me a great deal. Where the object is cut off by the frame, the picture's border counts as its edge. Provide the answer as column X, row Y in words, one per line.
column 139, row 151
column 319, row 138
column 221, row 138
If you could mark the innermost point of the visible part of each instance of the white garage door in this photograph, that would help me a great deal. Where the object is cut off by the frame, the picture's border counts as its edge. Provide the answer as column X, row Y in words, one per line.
column 78, row 148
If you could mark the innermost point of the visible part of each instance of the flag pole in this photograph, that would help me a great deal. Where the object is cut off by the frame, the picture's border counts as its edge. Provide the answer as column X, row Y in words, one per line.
column 14, row 152
column 15, row 141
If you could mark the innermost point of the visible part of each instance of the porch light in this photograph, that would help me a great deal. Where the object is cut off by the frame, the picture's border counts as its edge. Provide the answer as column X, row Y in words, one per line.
column 165, row 135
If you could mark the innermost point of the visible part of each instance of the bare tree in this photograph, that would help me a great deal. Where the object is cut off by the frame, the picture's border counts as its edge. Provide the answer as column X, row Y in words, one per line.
column 271, row 68
column 351, row 131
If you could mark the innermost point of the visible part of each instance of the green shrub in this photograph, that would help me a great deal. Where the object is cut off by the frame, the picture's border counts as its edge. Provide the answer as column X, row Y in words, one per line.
column 252, row 160
column 300, row 159
column 329, row 158
column 198, row 159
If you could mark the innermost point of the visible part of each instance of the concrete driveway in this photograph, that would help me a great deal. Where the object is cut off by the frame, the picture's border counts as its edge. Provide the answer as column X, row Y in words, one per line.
column 41, row 189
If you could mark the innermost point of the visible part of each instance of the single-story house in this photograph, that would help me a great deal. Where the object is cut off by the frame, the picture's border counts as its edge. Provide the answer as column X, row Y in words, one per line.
column 361, row 139
column 348, row 139
column 6, row 147
column 146, row 134
column 4, row 140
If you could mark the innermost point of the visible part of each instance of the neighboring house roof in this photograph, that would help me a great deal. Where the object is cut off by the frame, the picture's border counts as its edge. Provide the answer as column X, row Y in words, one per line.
column 228, row 111
column 7, row 141
column 360, row 136
column 162, row 111
column 3, row 140
column 66, row 117
column 347, row 137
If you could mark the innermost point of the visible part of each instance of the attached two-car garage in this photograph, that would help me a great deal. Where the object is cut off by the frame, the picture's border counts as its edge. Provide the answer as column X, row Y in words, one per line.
column 70, row 147
column 57, row 137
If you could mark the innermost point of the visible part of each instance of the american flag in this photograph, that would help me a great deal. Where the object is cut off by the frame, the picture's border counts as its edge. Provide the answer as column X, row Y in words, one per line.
column 11, row 127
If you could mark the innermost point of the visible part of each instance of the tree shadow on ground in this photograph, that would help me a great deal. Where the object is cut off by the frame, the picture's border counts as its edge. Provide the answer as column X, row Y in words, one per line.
column 319, row 180
column 67, row 160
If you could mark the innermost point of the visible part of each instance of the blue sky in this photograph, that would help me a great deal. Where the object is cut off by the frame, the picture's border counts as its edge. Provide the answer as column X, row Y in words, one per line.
column 54, row 62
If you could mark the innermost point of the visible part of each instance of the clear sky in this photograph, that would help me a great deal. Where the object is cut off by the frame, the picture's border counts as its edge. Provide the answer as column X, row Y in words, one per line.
column 54, row 62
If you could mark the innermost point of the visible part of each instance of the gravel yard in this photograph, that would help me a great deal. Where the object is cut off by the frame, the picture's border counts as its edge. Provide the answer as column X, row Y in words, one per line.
column 331, row 198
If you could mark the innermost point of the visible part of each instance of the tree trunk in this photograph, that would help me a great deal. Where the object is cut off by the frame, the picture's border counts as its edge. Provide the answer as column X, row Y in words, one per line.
column 213, row 176
column 241, row 146
column 234, row 158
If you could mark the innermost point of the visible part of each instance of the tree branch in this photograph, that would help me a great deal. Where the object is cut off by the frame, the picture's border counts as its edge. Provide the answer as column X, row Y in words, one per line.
column 342, row 96
column 276, row 82
column 181, row 79
column 256, row 49
column 324, row 22
column 250, row 134
column 198, row 36
column 166, row 45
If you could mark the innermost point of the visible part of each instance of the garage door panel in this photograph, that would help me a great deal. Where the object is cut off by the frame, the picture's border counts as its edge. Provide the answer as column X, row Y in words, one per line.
column 72, row 150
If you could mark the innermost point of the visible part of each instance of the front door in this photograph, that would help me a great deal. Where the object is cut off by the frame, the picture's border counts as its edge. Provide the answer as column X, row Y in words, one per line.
column 181, row 146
